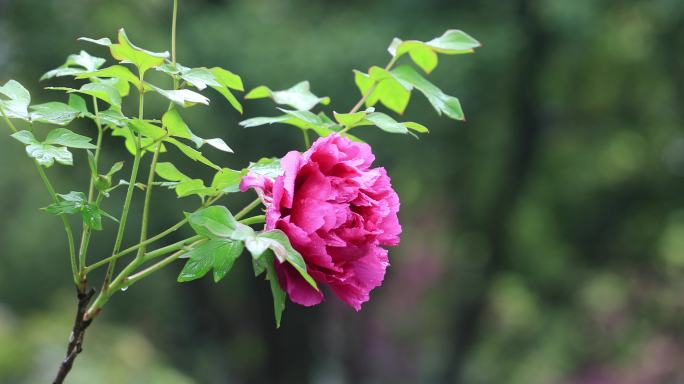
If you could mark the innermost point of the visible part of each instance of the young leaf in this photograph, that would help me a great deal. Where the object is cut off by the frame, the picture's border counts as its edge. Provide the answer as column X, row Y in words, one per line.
column 193, row 187
column 75, row 65
column 442, row 103
column 298, row 97
column 126, row 52
column 19, row 100
column 182, row 97
column 424, row 54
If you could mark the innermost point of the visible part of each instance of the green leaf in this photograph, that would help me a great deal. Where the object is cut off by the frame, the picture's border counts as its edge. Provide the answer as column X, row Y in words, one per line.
column 146, row 129
column 191, row 153
column 225, row 258
column 64, row 137
column 257, row 121
column 54, row 113
column 386, row 123
column 75, row 65
column 230, row 97
column 227, row 78
column 277, row 292
column 424, row 54
column 77, row 202
column 267, row 167
column 416, row 127
column 113, row 117
column 103, row 41
column 200, row 260
column 424, row 57
column 102, row 91
column 227, row 180
column 25, row 137
column 298, row 97
column 192, row 187
column 217, row 254
column 126, row 52
column 46, row 155
column 217, row 143
column 381, row 85
column 115, row 71
column 281, row 247
column 168, row 171
column 78, row 103
column 349, row 119
column 442, row 103
column 19, row 100
column 200, row 78
column 182, row 97
column 213, row 222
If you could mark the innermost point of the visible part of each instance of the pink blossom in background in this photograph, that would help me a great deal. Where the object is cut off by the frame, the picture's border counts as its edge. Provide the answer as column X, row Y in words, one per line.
column 338, row 212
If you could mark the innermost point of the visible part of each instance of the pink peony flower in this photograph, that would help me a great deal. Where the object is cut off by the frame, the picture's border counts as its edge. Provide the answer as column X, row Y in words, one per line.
column 337, row 212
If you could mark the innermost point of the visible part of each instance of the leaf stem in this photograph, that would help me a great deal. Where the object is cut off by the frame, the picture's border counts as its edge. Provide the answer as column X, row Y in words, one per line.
column 247, row 209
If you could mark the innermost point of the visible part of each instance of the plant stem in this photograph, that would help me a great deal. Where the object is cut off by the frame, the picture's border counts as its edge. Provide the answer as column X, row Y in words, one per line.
column 78, row 330
column 254, row 220
column 53, row 195
column 87, row 231
column 173, row 31
column 247, row 209
column 307, row 141
column 129, row 192
column 157, row 266
column 148, row 198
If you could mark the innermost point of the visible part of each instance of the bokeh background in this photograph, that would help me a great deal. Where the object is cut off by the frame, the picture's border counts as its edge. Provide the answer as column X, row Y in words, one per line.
column 543, row 239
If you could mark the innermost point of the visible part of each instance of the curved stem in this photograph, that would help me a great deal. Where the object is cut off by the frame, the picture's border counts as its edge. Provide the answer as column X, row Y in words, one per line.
column 247, row 209
column 254, row 220
column 307, row 141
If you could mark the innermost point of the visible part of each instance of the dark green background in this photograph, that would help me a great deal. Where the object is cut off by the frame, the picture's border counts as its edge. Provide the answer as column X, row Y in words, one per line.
column 543, row 239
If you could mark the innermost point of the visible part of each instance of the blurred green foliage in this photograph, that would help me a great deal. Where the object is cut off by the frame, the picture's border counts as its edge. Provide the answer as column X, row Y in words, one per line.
column 543, row 239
